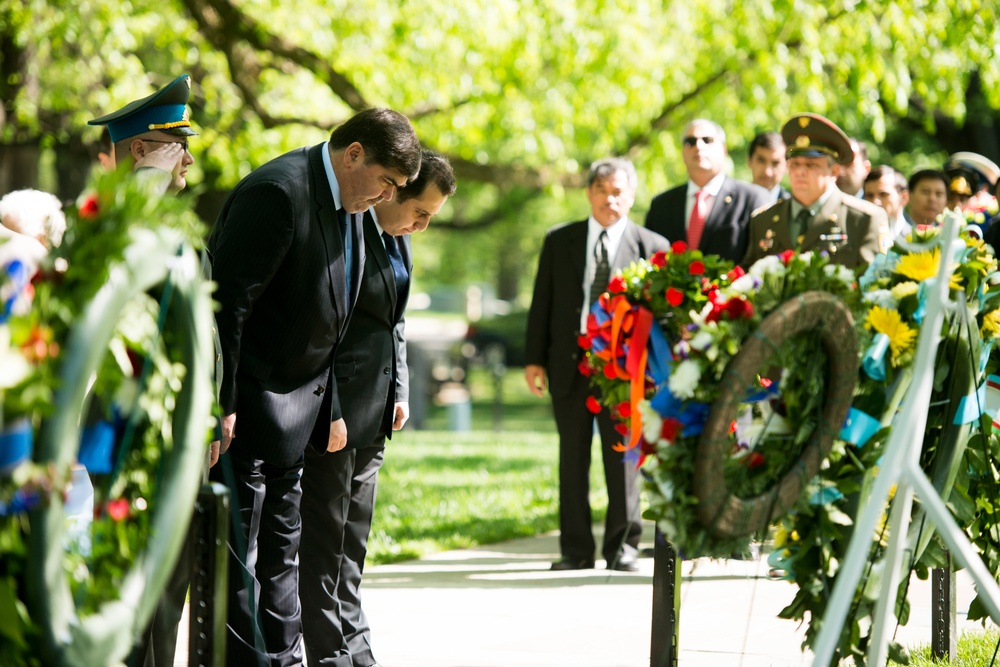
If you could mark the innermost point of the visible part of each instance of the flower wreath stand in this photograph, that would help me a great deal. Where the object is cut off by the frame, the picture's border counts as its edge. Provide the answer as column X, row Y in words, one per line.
column 153, row 259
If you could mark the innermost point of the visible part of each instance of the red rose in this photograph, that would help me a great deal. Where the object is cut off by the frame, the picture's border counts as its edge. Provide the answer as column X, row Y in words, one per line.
column 609, row 372
column 677, row 247
column 697, row 268
column 622, row 429
column 739, row 308
column 584, row 341
column 755, row 459
column 646, row 448
column 674, row 296
column 670, row 429
column 593, row 405
column 118, row 509
column 765, row 382
column 625, row 409
column 732, row 427
column 617, row 284
column 786, row 256
column 736, row 273
column 89, row 208
column 659, row 259
column 584, row 368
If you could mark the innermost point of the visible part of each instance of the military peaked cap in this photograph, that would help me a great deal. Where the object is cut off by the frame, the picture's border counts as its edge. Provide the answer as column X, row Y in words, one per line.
column 811, row 135
column 165, row 110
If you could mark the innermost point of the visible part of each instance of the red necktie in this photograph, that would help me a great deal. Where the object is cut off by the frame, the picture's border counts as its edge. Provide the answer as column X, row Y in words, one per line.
column 697, row 222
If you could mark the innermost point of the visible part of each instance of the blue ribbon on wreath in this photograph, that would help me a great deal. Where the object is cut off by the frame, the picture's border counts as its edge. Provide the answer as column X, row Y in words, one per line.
column 859, row 427
column 873, row 362
column 659, row 362
column 16, row 444
column 19, row 275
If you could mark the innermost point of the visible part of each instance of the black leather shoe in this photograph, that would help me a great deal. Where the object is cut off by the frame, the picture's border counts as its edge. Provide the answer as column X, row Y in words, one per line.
column 573, row 564
column 624, row 563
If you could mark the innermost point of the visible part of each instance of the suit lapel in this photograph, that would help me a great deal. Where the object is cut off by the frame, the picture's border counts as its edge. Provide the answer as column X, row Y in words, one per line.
column 376, row 253
column 723, row 201
column 829, row 216
column 324, row 217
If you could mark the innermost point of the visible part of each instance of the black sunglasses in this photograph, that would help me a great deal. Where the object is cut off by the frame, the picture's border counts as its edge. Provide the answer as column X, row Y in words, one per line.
column 693, row 141
column 183, row 144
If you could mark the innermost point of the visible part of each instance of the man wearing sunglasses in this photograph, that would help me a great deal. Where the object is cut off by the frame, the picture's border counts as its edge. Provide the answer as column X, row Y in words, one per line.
column 152, row 133
column 711, row 211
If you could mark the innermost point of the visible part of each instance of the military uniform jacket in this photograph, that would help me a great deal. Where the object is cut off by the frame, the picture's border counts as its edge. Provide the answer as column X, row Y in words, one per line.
column 851, row 230
column 554, row 316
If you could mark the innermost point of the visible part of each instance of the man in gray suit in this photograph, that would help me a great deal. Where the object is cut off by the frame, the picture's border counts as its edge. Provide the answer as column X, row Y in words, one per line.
column 338, row 488
column 288, row 256
column 573, row 270
column 711, row 211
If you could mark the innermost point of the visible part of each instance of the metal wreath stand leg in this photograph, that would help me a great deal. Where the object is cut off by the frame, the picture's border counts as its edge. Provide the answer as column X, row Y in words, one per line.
column 901, row 467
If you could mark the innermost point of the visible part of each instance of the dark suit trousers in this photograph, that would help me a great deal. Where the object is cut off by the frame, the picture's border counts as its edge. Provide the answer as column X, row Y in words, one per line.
column 264, row 625
column 335, row 528
column 623, row 526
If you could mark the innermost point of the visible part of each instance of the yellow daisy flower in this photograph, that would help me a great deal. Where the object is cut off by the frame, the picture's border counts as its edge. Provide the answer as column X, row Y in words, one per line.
column 887, row 321
column 923, row 265
column 991, row 325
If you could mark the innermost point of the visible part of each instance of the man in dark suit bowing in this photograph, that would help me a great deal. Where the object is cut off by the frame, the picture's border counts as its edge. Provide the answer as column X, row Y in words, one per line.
column 288, row 256
column 576, row 261
column 711, row 210
column 338, row 489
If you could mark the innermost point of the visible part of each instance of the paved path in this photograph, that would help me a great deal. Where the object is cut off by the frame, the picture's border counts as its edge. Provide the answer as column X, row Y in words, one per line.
column 500, row 606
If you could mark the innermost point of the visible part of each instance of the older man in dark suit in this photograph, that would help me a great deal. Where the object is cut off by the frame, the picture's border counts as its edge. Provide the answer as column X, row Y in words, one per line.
column 338, row 489
column 288, row 257
column 576, row 261
column 710, row 212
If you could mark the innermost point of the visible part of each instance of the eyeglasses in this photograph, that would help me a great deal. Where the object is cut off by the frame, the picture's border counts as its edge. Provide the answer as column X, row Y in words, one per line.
column 693, row 141
column 182, row 144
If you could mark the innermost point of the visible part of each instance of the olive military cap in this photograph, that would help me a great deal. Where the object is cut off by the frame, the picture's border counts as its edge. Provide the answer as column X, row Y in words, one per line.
column 811, row 135
column 165, row 110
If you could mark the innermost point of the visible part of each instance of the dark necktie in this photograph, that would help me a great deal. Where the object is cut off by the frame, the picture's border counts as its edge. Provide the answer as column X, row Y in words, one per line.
column 602, row 270
column 348, row 237
column 396, row 262
column 800, row 225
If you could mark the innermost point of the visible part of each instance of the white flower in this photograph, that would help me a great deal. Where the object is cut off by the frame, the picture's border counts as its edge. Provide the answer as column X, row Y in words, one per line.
column 701, row 341
column 770, row 265
column 652, row 423
column 14, row 368
column 840, row 272
column 684, row 380
column 807, row 257
column 882, row 297
column 745, row 283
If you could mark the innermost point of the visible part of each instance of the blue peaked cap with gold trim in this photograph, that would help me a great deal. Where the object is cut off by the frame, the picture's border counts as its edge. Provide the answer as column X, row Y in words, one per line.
column 165, row 110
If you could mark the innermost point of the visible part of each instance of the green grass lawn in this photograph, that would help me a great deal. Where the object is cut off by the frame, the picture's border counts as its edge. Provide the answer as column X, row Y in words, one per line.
column 975, row 649
column 442, row 490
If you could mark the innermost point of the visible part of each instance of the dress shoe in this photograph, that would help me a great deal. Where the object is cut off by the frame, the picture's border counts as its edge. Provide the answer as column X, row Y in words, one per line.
column 624, row 563
column 573, row 564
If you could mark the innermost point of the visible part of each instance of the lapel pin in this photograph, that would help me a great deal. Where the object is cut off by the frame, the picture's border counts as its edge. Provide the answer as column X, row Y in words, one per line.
column 728, row 199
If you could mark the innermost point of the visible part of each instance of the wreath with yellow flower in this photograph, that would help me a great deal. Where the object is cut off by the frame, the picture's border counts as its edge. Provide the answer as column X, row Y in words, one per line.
column 779, row 407
column 111, row 328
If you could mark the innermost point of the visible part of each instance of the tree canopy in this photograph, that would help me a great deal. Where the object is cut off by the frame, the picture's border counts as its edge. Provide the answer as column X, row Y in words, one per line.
column 521, row 95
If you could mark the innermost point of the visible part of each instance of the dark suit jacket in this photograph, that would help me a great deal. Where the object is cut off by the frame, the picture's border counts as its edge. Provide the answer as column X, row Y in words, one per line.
column 851, row 230
column 278, row 259
column 370, row 364
column 725, row 227
column 554, row 317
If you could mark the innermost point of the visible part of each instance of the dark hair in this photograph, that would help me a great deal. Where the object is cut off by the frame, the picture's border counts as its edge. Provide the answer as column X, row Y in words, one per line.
column 885, row 170
column 766, row 140
column 434, row 169
column 387, row 137
column 927, row 174
column 606, row 167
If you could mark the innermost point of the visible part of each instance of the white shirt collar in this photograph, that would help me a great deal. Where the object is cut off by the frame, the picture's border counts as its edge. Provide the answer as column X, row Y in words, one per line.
column 331, row 176
column 712, row 187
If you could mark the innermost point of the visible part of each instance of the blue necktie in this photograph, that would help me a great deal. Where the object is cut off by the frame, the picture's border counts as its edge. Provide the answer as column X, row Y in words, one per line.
column 345, row 232
column 396, row 262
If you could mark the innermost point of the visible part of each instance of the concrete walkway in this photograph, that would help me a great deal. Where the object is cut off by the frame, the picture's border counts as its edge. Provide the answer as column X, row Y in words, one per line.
column 501, row 606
